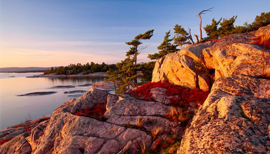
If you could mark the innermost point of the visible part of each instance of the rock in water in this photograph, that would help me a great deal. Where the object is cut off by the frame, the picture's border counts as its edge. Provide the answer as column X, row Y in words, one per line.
column 235, row 118
column 106, row 85
column 38, row 93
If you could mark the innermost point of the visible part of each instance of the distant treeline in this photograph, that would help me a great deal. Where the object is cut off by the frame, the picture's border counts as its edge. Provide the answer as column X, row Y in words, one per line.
column 22, row 69
column 79, row 68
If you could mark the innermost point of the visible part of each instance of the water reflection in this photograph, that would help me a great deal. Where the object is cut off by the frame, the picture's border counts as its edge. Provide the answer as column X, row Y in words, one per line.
column 75, row 80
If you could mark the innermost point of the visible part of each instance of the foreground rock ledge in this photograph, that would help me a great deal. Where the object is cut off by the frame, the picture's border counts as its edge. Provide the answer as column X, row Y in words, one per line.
column 235, row 118
column 68, row 133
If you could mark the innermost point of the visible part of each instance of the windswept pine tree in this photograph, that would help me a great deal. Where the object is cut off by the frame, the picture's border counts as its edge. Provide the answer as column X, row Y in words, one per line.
column 212, row 30
column 227, row 26
column 133, row 52
column 126, row 75
column 164, row 48
column 182, row 37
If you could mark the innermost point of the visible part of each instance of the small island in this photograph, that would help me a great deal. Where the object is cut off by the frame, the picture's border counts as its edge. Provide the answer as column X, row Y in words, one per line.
column 38, row 93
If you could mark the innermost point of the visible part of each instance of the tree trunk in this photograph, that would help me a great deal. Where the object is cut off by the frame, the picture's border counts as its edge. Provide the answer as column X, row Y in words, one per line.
column 196, row 38
column 135, row 72
column 200, row 27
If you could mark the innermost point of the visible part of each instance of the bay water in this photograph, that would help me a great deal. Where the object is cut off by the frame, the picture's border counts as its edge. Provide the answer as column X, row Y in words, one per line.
column 15, row 109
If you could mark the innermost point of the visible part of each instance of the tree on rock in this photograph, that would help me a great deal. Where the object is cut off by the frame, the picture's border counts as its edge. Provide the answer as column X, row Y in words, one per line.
column 164, row 48
column 261, row 20
column 199, row 15
column 134, row 52
column 182, row 37
column 227, row 26
column 212, row 30
column 126, row 75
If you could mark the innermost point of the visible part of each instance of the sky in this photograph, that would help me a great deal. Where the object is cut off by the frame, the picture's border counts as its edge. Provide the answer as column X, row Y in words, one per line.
column 60, row 32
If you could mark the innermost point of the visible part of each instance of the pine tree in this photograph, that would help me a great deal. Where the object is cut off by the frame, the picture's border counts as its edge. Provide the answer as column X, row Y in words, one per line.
column 164, row 48
column 134, row 52
column 147, row 70
column 227, row 26
column 126, row 75
column 212, row 30
column 182, row 37
column 261, row 20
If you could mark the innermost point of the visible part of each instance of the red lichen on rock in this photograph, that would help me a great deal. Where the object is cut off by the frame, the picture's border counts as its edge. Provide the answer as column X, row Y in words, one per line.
column 96, row 112
column 2, row 141
column 180, row 95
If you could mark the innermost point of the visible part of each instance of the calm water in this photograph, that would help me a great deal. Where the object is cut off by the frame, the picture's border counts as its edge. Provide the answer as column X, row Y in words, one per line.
column 15, row 109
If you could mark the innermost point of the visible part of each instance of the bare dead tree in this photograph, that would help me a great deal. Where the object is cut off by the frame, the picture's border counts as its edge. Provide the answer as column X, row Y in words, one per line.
column 190, row 36
column 199, row 15
column 197, row 38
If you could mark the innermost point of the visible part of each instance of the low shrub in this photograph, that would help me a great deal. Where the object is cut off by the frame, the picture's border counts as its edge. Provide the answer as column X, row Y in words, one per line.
column 182, row 96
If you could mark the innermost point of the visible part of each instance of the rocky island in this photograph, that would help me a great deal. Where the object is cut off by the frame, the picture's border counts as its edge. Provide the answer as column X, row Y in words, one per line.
column 233, row 118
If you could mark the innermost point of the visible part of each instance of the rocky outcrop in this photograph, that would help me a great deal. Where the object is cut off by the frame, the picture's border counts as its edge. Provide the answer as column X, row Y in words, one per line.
column 129, row 126
column 198, row 66
column 184, row 68
column 22, row 128
column 235, row 118
column 18, row 145
column 148, row 115
column 238, row 57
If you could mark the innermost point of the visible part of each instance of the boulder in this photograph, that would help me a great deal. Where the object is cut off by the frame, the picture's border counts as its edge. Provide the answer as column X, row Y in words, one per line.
column 69, row 134
column 235, row 118
column 89, row 99
column 147, row 115
column 184, row 68
column 237, row 56
column 104, row 85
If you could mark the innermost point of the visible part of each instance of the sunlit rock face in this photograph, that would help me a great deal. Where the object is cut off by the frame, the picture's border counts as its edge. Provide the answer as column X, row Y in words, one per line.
column 235, row 118
column 184, row 68
column 198, row 66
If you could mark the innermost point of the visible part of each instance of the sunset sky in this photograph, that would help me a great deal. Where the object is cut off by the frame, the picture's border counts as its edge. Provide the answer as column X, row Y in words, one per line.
column 48, row 33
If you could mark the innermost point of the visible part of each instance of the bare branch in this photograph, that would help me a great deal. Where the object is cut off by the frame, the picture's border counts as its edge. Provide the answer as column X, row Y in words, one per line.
column 202, row 12
column 142, row 48
column 190, row 36
column 199, row 15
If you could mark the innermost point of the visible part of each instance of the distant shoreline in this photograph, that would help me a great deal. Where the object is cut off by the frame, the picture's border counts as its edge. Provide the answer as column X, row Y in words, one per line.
column 97, row 74
column 22, row 71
